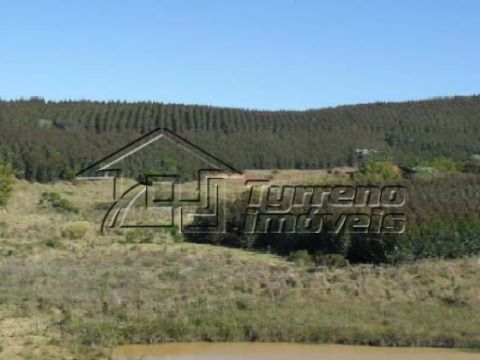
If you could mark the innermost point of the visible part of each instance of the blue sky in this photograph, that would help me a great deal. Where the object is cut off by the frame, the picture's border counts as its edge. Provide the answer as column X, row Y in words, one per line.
column 266, row 54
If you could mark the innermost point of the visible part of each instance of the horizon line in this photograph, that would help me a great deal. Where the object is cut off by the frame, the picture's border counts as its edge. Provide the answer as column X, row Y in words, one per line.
column 46, row 100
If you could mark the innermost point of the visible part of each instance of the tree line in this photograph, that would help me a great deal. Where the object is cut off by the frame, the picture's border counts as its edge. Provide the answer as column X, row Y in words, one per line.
column 46, row 140
column 441, row 222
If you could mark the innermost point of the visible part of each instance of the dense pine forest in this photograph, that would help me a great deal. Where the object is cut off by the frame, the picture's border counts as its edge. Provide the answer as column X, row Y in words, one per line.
column 46, row 140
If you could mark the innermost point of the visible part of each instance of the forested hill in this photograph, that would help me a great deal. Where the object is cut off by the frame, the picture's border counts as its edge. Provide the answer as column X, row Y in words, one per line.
column 44, row 139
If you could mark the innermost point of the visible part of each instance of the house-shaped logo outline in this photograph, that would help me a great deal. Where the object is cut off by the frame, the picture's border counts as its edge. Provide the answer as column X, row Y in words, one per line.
column 106, row 166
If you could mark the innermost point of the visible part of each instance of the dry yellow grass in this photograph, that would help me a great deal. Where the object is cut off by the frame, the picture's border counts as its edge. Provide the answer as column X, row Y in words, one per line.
column 64, row 299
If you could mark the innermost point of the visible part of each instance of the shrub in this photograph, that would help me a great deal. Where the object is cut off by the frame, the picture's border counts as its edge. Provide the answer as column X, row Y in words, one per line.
column 175, row 234
column 52, row 243
column 6, row 183
column 57, row 202
column 473, row 164
column 442, row 165
column 378, row 249
column 449, row 239
column 377, row 172
column 301, row 257
column 332, row 260
column 68, row 174
column 425, row 172
column 76, row 230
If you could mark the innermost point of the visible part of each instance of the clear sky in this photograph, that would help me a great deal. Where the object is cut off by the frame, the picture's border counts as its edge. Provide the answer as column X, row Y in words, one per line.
column 267, row 54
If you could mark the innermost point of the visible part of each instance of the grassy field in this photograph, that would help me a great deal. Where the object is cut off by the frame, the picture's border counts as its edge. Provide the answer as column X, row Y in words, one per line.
column 68, row 293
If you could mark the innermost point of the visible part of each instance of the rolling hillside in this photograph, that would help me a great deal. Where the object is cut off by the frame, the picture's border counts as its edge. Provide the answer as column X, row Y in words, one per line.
column 44, row 140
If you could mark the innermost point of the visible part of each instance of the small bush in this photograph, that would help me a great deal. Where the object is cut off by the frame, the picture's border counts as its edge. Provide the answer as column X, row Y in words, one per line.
column 6, row 183
column 52, row 243
column 175, row 234
column 301, row 257
column 378, row 172
column 76, row 230
column 473, row 164
column 57, row 202
column 331, row 260
column 443, row 165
